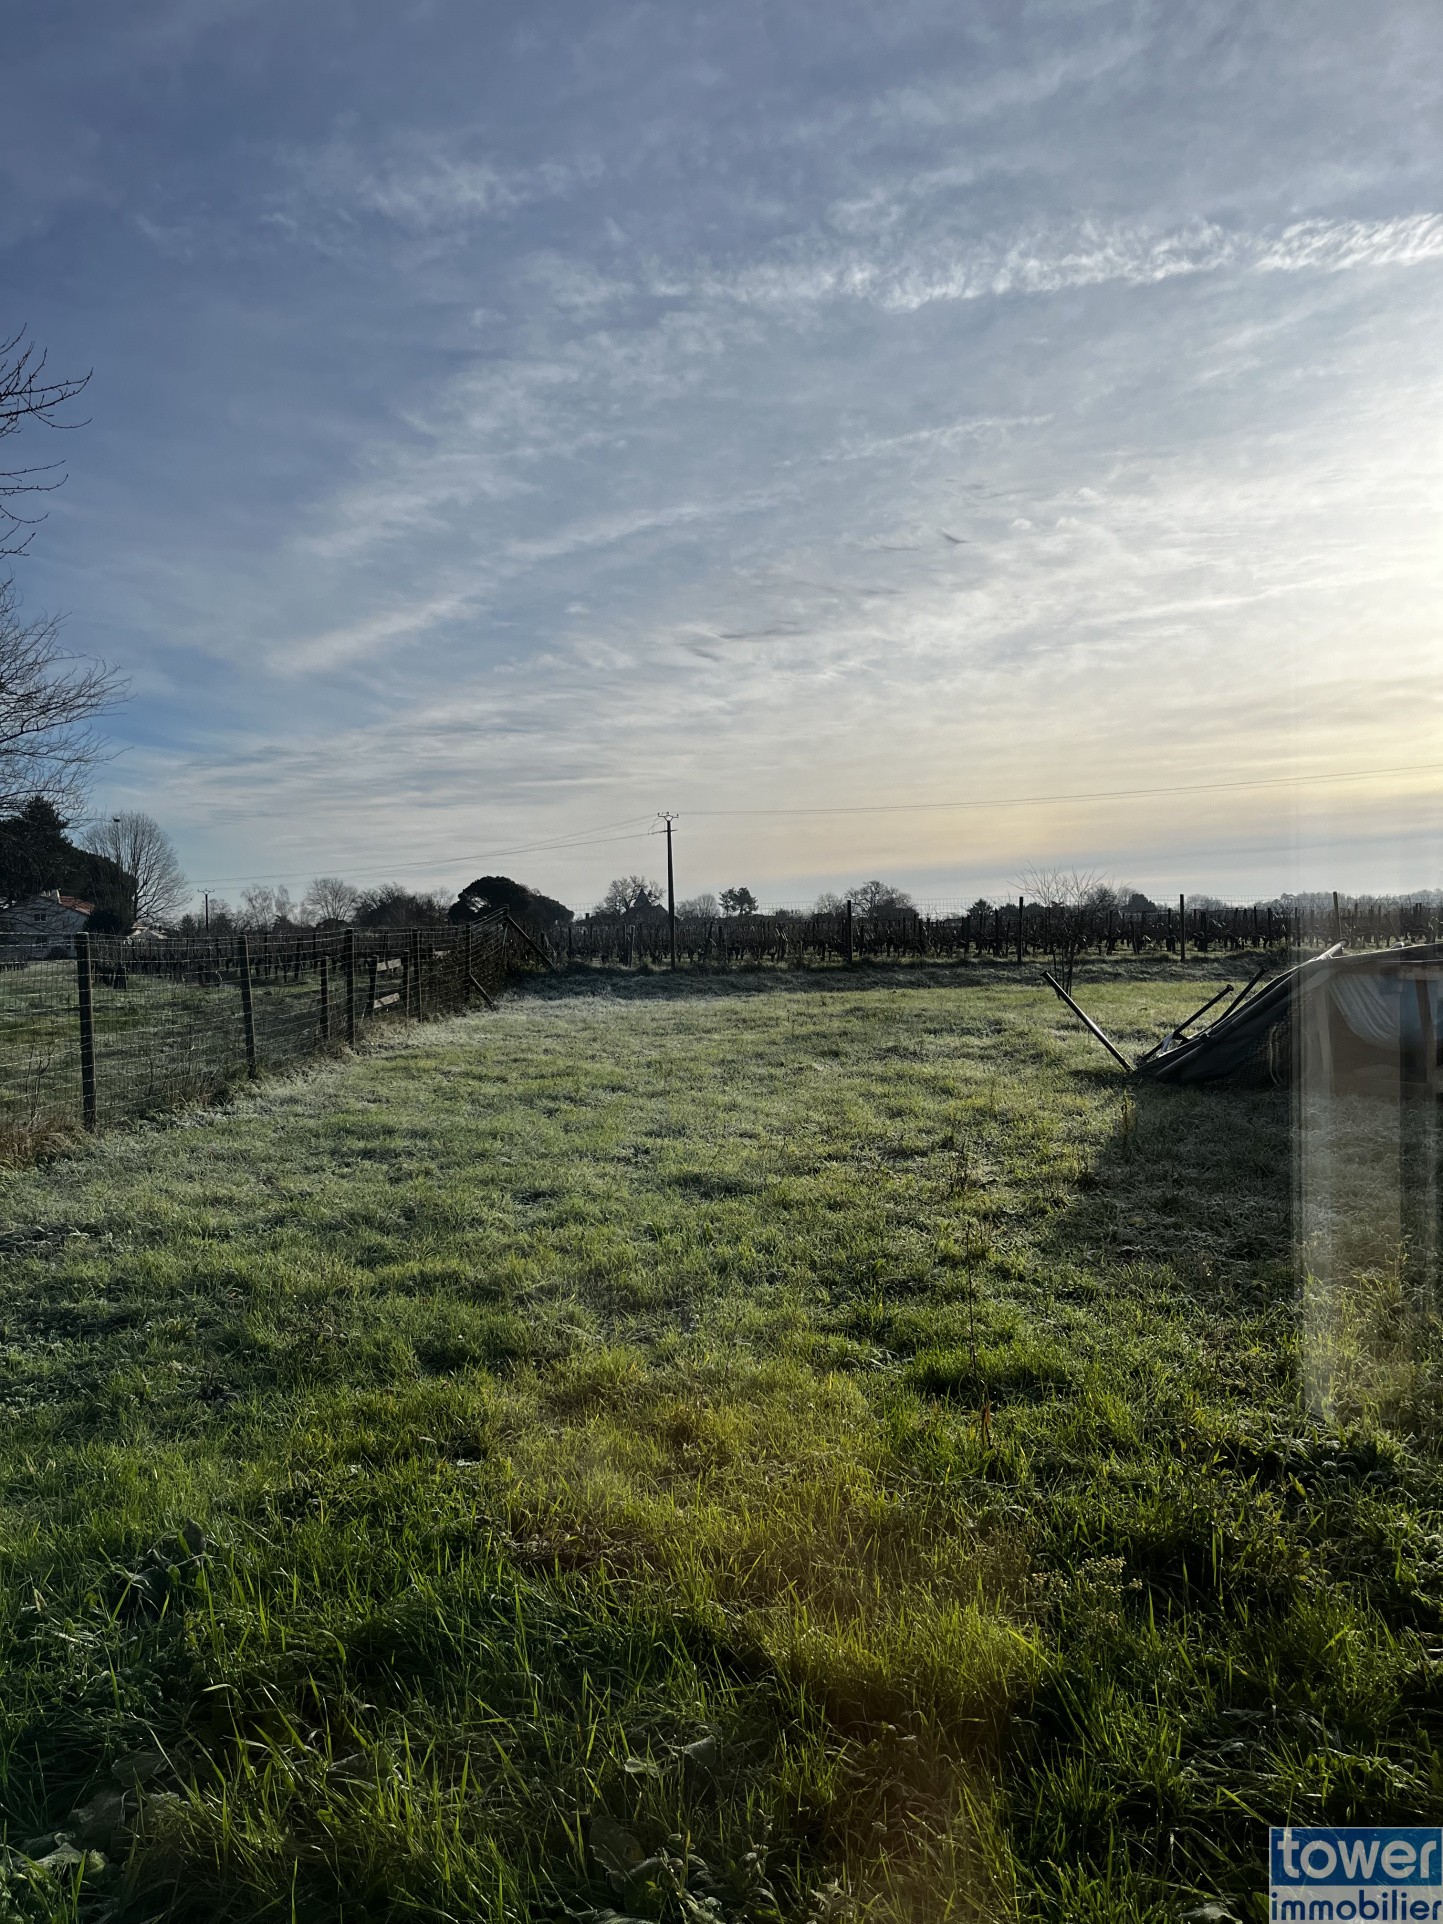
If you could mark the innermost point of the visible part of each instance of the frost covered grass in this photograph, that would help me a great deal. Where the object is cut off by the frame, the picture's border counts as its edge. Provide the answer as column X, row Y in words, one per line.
column 735, row 1449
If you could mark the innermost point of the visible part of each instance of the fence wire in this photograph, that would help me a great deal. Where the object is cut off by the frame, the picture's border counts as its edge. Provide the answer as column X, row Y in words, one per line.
column 1008, row 930
column 105, row 1030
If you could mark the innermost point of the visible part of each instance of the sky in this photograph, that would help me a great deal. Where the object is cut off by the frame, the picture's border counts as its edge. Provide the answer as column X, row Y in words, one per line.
column 921, row 440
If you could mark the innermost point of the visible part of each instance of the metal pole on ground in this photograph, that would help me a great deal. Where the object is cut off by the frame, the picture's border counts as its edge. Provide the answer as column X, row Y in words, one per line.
column 325, row 975
column 89, row 1114
column 1182, row 928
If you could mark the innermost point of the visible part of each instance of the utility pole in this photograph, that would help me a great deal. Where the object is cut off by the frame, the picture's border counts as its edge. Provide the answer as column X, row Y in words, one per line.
column 670, row 888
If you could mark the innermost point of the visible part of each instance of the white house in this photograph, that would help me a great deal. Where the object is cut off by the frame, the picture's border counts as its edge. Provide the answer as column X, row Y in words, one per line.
column 46, row 924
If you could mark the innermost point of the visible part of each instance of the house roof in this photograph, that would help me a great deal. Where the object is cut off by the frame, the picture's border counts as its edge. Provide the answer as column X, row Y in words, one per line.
column 49, row 899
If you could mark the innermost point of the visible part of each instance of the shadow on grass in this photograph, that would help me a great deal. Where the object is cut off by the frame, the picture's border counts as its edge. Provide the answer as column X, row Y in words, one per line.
column 1199, row 1180
column 1212, row 1545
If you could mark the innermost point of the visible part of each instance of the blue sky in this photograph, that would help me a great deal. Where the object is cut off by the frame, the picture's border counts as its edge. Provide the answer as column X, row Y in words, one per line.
column 509, row 422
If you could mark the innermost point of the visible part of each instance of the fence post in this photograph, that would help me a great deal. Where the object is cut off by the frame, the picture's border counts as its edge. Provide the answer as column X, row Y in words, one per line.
column 349, row 960
column 248, row 1014
column 466, row 962
column 89, row 1114
column 1182, row 928
column 416, row 970
column 849, row 935
column 325, row 975
column 1021, row 906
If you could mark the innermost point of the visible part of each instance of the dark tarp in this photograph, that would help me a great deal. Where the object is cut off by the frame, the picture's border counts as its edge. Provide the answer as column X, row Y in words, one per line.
column 1372, row 1012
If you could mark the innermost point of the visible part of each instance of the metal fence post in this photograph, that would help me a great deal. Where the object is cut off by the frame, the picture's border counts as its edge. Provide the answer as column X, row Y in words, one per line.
column 248, row 1013
column 325, row 975
column 350, row 967
column 465, row 965
column 89, row 1113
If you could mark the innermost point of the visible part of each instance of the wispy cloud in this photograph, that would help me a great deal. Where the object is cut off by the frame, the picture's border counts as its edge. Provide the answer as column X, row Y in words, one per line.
column 424, row 183
column 1052, row 259
column 501, row 426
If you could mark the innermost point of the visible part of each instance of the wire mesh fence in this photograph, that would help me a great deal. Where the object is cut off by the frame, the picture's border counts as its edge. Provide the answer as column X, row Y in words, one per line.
column 112, row 1030
column 1015, row 930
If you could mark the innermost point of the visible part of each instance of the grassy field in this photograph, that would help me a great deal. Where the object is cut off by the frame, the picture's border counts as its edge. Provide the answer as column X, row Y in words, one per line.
column 769, row 1448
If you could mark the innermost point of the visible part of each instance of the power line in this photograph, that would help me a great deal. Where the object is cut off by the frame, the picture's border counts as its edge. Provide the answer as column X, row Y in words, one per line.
column 415, row 868
column 599, row 838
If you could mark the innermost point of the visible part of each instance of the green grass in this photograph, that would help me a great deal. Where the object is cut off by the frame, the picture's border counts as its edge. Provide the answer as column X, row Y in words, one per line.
column 778, row 1447
column 157, row 1043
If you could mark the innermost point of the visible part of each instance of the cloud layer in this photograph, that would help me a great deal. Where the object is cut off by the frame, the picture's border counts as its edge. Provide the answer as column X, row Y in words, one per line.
column 504, row 431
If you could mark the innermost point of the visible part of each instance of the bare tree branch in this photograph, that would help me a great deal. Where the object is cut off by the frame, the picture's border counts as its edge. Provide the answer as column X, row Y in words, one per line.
column 1072, row 898
column 48, row 698
column 140, row 846
column 28, row 394
column 330, row 899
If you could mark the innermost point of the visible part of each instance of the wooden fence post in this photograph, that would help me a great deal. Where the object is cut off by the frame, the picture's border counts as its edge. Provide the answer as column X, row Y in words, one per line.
column 248, row 1013
column 1182, row 928
column 89, row 1113
column 1021, row 904
column 349, row 961
column 849, row 935
column 325, row 974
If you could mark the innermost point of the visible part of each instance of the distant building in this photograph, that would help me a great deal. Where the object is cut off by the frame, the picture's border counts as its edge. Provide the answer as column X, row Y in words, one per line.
column 46, row 924
column 644, row 908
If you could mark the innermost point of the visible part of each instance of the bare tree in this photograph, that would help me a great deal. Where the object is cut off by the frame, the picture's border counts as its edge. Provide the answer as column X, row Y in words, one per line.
column 48, row 697
column 626, row 891
column 393, row 907
column 698, row 908
column 1073, row 898
column 28, row 393
column 262, row 907
column 881, row 898
column 139, row 846
column 329, row 899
